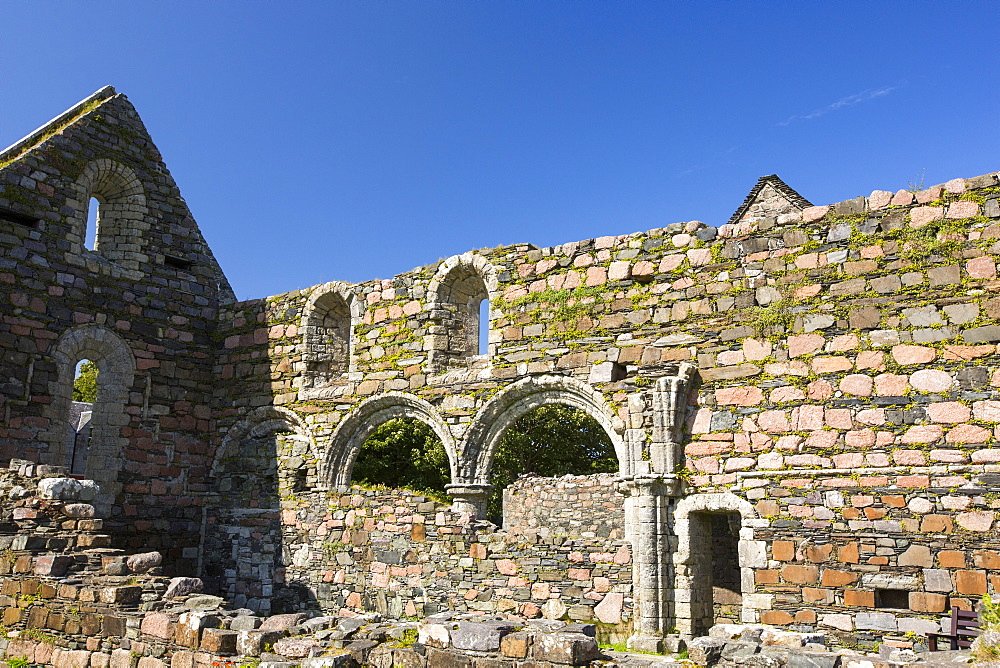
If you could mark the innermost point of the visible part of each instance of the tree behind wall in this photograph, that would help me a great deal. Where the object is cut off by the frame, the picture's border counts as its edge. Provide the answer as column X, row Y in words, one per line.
column 548, row 441
column 85, row 385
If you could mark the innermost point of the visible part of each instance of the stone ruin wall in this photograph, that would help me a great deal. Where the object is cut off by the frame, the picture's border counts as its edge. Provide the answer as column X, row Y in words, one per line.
column 845, row 355
column 144, row 304
column 833, row 369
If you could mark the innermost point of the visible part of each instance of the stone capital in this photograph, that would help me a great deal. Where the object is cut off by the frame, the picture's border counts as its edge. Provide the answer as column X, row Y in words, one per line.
column 469, row 498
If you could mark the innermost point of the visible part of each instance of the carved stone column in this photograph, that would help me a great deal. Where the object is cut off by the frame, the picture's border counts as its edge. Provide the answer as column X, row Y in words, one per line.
column 651, row 491
column 469, row 498
column 649, row 509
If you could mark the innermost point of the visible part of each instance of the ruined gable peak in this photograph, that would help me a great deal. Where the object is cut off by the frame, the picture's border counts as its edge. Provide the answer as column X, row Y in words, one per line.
column 769, row 198
column 57, row 124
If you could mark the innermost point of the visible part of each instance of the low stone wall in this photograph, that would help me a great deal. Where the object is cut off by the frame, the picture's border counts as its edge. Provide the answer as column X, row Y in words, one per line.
column 571, row 506
column 399, row 554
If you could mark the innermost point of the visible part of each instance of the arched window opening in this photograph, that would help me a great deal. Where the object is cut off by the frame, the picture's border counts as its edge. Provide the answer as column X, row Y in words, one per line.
column 328, row 339
column 111, row 213
column 463, row 298
column 81, row 411
column 484, row 327
column 404, row 453
column 93, row 220
column 549, row 441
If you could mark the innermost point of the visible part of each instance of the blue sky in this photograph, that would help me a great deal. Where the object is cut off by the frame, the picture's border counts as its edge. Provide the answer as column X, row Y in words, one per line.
column 319, row 141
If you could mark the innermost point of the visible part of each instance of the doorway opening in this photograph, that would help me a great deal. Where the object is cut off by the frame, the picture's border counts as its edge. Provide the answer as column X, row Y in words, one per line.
column 717, row 597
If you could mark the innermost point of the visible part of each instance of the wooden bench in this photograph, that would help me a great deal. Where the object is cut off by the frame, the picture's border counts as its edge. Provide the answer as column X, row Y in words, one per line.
column 964, row 629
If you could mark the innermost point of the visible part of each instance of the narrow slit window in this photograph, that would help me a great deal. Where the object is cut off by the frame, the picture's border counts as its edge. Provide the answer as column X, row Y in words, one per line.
column 93, row 217
column 484, row 327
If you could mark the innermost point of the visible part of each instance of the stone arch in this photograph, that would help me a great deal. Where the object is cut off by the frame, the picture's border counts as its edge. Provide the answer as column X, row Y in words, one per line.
column 121, row 219
column 328, row 322
column 359, row 424
column 260, row 421
column 459, row 286
column 116, row 373
column 243, row 548
column 693, row 559
column 506, row 407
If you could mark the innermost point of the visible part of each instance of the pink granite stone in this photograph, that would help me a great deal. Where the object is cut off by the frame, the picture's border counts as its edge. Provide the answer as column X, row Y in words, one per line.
column 922, row 215
column 909, row 457
column 982, row 268
column 839, row 418
column 870, row 359
column 871, row 252
column 619, row 270
column 671, row 262
column 506, row 566
column 770, row 461
column 860, row 439
column 955, row 186
column 824, row 439
column 699, row 256
column 877, row 459
column 773, row 422
column 871, row 416
column 813, row 213
column 643, row 269
column 703, row 448
column 849, row 460
column 962, row 209
column 739, row 464
column 884, row 439
column 907, row 354
column 596, row 276
column 807, row 460
column 929, row 195
column 790, row 443
column 988, row 411
column 902, row 198
column 702, row 421
column 949, row 412
column 879, row 199
column 756, row 349
column 986, row 456
column 857, row 384
column 832, row 364
column 729, row 357
column 948, row 456
column 739, row 396
column 798, row 369
column 978, row 520
column 931, row 380
column 891, row 385
column 787, row 393
column 158, row 624
column 807, row 261
column 923, row 433
column 807, row 417
column 804, row 344
column 819, row 390
column 968, row 433
column 843, row 343
column 707, row 465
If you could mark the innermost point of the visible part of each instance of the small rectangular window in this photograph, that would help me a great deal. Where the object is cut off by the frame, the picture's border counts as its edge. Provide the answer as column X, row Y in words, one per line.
column 177, row 262
column 18, row 218
column 892, row 598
